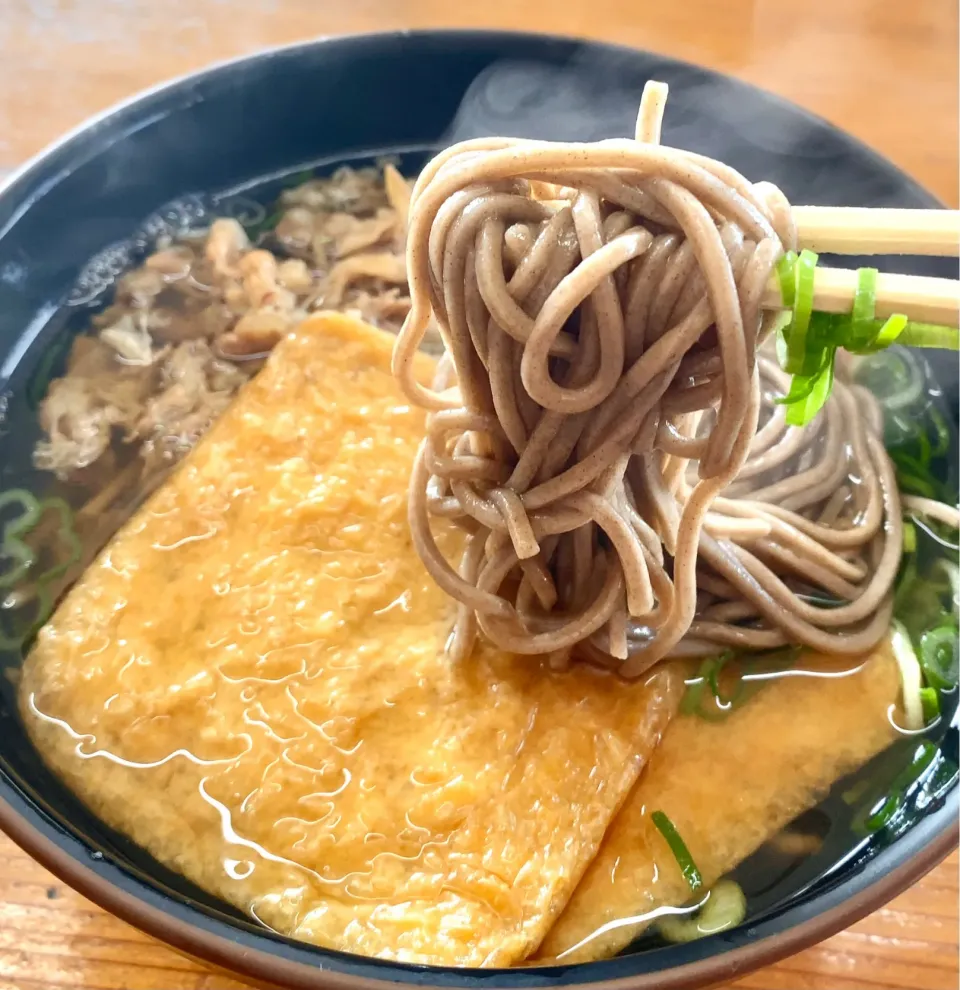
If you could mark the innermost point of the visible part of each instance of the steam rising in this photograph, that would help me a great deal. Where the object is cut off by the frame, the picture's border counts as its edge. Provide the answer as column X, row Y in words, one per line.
column 595, row 95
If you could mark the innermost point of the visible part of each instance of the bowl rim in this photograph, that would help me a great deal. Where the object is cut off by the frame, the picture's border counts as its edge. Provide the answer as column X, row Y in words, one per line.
column 198, row 935
column 299, row 966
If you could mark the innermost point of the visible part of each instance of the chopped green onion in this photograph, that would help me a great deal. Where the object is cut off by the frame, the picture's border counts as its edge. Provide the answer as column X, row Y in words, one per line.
column 940, row 656
column 876, row 335
column 890, row 331
column 926, row 450
column 713, row 675
column 265, row 225
column 952, row 572
column 930, row 703
column 942, row 431
column 802, row 308
column 870, row 821
column 864, row 307
column 30, row 507
column 881, row 817
column 12, row 547
column 801, row 386
column 724, row 907
column 679, row 849
column 787, row 274
column 23, row 556
column 690, row 703
column 808, row 342
column 909, row 537
column 910, row 483
column 802, row 412
column 297, row 179
column 924, row 602
column 855, row 793
column 693, row 702
column 905, row 586
column 930, row 335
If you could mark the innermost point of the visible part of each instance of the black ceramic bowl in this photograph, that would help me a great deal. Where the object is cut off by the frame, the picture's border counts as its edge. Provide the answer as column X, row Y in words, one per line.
column 343, row 99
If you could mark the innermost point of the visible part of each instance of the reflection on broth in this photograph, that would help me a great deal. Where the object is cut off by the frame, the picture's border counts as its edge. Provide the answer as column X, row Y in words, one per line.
column 256, row 679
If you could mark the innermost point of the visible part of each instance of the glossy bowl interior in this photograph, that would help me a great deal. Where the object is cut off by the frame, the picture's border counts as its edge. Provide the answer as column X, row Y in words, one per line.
column 346, row 99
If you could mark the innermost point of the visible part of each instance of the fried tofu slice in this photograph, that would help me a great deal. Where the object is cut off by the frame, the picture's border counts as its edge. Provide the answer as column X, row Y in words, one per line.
column 727, row 786
column 250, row 682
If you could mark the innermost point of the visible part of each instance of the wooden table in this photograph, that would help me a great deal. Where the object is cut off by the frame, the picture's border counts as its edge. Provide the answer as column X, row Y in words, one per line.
column 885, row 70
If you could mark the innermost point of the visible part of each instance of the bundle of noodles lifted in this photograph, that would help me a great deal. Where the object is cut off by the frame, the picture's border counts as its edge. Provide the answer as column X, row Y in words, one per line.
column 603, row 423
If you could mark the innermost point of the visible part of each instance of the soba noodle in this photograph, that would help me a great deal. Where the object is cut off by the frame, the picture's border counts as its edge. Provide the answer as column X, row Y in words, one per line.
column 603, row 422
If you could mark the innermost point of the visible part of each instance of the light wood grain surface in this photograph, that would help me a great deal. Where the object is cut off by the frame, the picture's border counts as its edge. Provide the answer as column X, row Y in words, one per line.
column 885, row 70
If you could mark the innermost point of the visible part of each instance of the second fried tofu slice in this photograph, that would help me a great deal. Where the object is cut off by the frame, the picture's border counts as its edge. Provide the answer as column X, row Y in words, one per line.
column 727, row 786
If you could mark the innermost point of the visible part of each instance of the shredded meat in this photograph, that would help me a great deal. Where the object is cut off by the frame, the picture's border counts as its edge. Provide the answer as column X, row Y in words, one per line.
column 197, row 318
column 358, row 191
column 226, row 242
column 383, row 266
column 195, row 387
column 379, row 308
column 98, row 395
column 398, row 195
column 130, row 339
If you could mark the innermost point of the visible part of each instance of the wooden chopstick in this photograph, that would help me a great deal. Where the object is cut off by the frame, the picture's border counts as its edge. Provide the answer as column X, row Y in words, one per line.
column 859, row 230
column 920, row 298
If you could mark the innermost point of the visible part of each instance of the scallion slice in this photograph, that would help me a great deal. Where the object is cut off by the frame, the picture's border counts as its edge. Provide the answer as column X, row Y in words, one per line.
column 802, row 309
column 787, row 274
column 930, row 703
column 679, row 849
column 808, row 342
column 19, row 556
column 37, row 610
column 909, row 537
column 890, row 331
column 864, row 307
column 802, row 412
column 940, row 656
column 929, row 335
column 66, row 534
column 724, row 907
column 881, row 812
